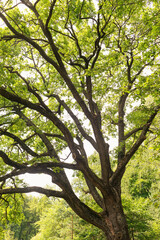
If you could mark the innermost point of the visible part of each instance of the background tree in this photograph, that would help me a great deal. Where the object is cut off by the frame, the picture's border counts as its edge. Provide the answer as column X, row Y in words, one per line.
column 11, row 215
column 140, row 195
column 58, row 221
column 31, row 212
column 75, row 78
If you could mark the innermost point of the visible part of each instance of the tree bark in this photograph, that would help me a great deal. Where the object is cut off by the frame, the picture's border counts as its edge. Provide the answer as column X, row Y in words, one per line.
column 116, row 228
column 115, row 224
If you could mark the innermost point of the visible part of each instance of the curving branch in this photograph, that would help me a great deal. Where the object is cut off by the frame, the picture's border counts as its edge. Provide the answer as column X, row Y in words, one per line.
column 19, row 141
column 142, row 68
column 46, row 168
column 55, row 136
column 93, row 191
column 43, row 137
column 10, row 162
column 47, row 192
column 132, row 132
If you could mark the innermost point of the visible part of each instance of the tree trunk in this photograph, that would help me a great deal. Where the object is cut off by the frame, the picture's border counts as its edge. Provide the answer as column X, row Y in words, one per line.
column 116, row 228
column 115, row 225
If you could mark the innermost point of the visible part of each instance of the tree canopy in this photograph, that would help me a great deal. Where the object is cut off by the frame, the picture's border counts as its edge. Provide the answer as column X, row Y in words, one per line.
column 73, row 72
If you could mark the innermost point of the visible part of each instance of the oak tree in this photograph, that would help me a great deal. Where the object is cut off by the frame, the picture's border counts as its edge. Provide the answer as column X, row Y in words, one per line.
column 71, row 73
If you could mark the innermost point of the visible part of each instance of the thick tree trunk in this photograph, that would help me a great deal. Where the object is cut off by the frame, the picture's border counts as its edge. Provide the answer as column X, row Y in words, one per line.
column 115, row 225
column 116, row 228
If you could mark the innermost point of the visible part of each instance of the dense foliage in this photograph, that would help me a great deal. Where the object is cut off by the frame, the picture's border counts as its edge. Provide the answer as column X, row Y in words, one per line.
column 77, row 72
